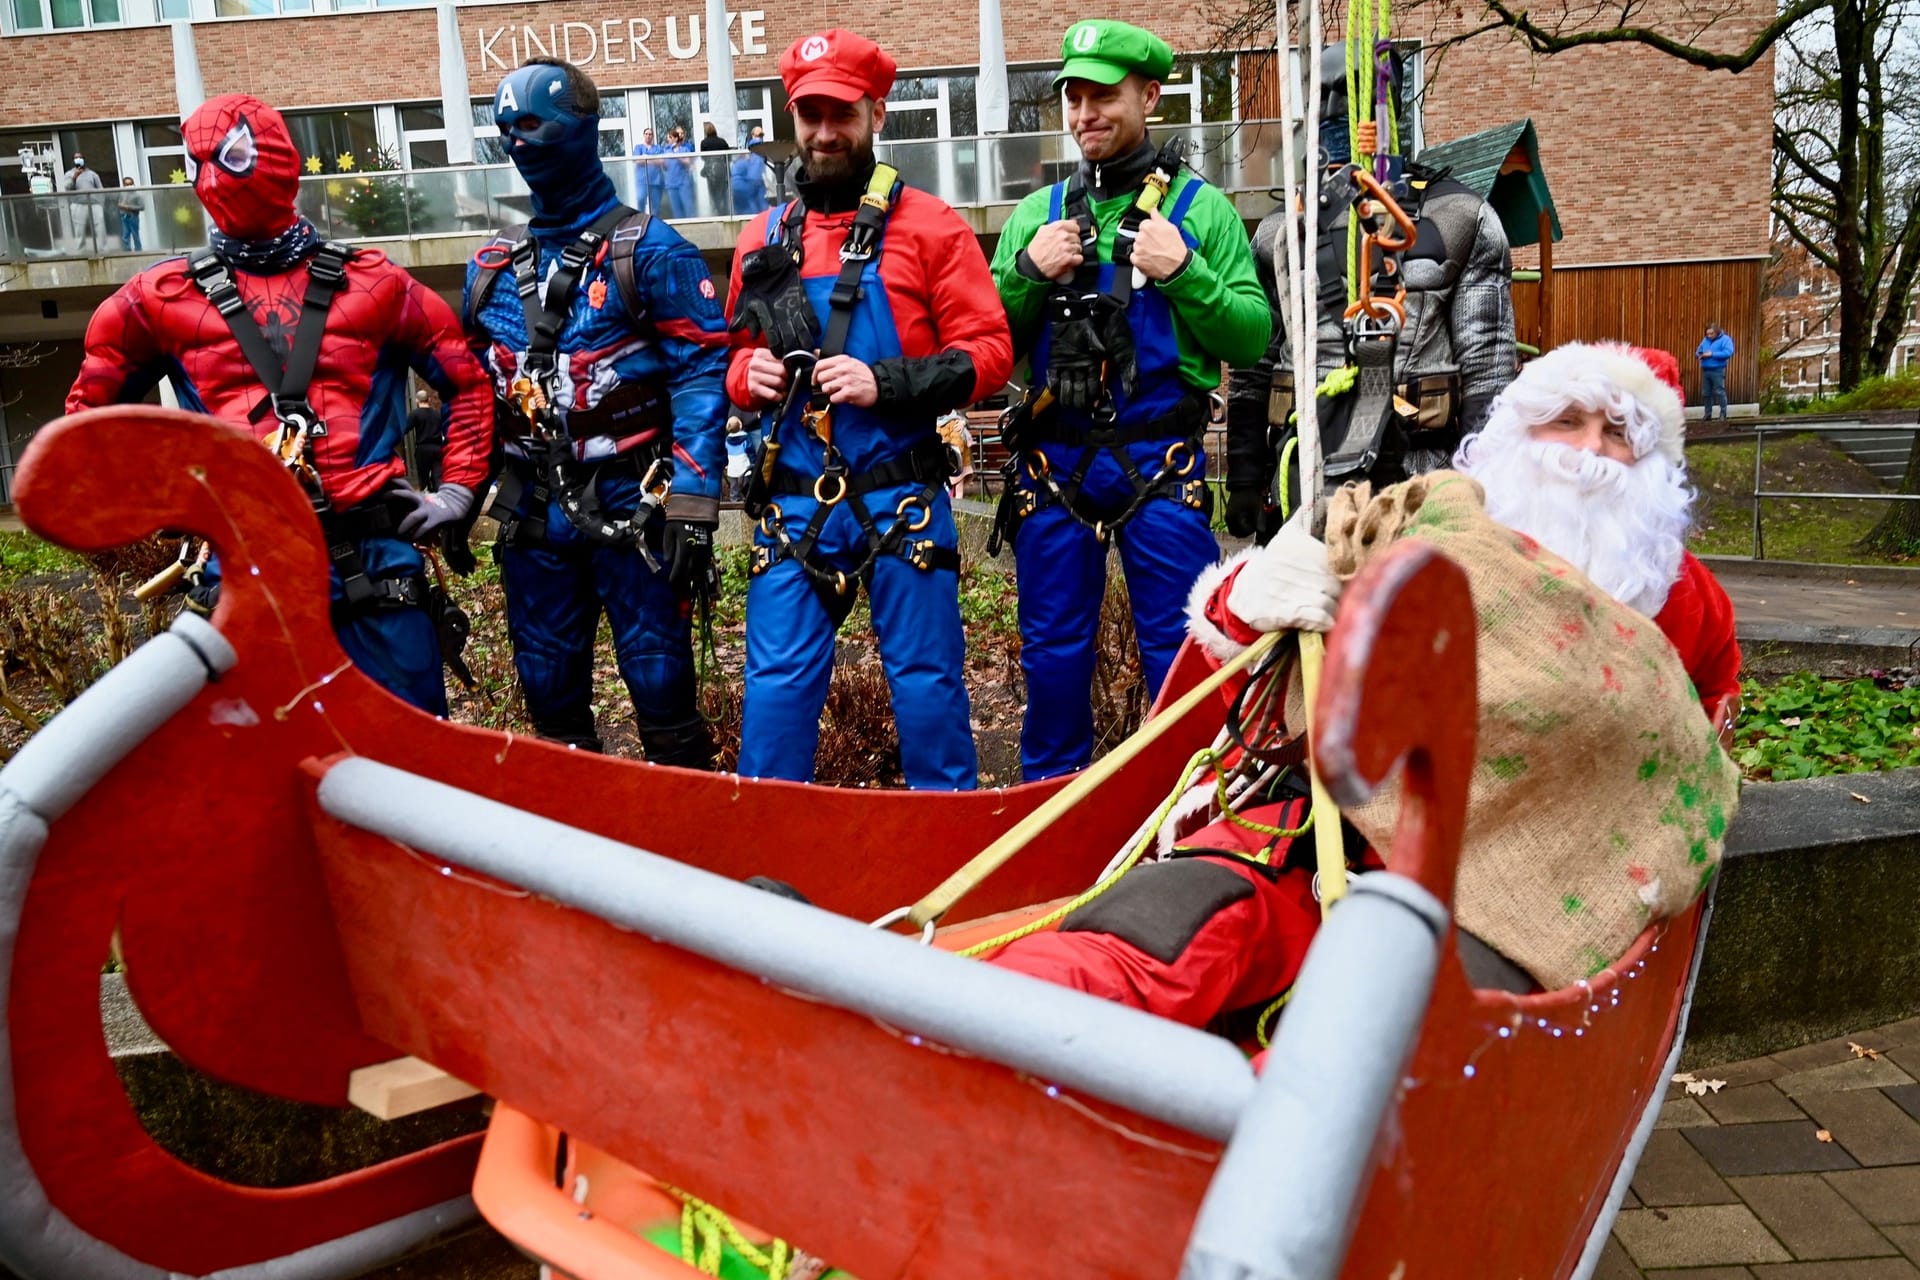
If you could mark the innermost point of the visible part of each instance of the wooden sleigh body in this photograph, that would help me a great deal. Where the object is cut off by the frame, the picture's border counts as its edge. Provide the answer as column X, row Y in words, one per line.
column 308, row 877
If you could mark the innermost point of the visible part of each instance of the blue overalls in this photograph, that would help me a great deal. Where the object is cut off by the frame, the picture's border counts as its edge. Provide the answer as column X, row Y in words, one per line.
column 1165, row 543
column 916, row 611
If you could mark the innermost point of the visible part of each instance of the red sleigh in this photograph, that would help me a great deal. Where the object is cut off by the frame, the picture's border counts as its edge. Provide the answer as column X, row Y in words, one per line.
column 308, row 877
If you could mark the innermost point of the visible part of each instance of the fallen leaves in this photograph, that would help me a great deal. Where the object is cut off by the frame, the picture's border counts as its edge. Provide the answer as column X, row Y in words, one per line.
column 1862, row 1051
column 1857, row 796
column 1697, row 1087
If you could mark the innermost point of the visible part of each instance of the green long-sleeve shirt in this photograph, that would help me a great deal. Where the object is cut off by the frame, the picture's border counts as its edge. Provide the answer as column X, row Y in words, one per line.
column 1219, row 311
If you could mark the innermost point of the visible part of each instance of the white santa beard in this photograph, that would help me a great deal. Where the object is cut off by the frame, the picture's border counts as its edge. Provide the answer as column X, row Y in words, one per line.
column 1623, row 526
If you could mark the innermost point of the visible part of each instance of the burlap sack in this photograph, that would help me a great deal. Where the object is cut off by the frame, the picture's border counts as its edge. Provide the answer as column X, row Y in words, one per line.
column 1601, row 796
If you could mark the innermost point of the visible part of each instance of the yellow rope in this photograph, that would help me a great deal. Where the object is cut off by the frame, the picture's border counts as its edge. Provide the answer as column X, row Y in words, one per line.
column 1262, row 1029
column 711, row 1226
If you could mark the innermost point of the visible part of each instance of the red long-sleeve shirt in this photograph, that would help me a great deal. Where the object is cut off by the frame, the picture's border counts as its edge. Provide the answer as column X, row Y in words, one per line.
column 382, row 321
column 937, row 283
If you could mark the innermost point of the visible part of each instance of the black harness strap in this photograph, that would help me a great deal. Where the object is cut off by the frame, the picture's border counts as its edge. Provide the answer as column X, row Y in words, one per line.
column 928, row 464
column 286, row 399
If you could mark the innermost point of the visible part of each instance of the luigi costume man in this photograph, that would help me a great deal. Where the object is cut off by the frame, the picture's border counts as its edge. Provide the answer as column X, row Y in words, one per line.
column 1126, row 286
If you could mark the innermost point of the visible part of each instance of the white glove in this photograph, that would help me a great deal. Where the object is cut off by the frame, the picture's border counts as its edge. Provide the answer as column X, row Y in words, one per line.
column 1286, row 585
column 432, row 510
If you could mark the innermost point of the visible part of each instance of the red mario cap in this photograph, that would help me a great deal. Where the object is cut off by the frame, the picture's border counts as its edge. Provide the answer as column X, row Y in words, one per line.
column 836, row 64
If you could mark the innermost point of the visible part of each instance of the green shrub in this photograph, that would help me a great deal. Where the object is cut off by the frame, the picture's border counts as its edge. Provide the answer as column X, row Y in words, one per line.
column 1803, row 726
column 1900, row 391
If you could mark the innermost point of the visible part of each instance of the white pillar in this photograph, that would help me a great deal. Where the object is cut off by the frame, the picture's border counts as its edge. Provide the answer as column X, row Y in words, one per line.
column 456, row 96
column 722, row 105
column 187, row 89
column 990, row 94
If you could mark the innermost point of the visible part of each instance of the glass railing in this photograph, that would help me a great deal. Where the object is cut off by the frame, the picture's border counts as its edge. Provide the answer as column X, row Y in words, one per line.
column 965, row 172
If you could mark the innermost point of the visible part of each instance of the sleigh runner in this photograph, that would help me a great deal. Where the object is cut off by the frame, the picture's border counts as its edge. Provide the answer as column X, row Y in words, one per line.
column 352, row 881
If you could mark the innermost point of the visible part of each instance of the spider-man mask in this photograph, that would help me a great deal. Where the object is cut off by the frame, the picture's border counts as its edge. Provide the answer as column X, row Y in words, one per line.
column 247, row 170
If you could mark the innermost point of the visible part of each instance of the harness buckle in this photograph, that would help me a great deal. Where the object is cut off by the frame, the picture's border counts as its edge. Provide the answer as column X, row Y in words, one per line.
column 761, row 560
column 329, row 266
column 297, row 416
column 211, row 274
column 922, row 555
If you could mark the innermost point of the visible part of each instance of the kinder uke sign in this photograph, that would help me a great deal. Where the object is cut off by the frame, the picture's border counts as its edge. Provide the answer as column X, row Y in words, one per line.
column 614, row 41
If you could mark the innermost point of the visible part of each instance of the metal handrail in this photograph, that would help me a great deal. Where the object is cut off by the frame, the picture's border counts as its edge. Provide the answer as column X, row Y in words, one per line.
column 1760, row 430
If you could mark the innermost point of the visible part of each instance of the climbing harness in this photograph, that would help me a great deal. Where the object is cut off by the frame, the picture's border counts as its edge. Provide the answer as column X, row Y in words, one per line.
column 298, row 426
column 557, row 472
column 1035, row 419
column 927, row 464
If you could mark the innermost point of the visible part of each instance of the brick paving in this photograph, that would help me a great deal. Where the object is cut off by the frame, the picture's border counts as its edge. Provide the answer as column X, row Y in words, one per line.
column 1741, row 1185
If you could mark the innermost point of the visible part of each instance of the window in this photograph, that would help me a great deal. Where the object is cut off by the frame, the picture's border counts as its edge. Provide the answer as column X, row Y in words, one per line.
column 63, row 15
column 1033, row 102
column 332, row 136
column 162, row 151
column 963, row 108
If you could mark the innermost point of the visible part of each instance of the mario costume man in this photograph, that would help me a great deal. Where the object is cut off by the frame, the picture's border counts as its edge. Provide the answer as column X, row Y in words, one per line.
column 1583, row 453
column 861, row 312
column 273, row 329
column 607, row 348
column 1127, row 285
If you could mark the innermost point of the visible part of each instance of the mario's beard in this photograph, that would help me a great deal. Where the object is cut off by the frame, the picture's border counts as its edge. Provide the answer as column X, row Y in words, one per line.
column 1623, row 525
column 842, row 162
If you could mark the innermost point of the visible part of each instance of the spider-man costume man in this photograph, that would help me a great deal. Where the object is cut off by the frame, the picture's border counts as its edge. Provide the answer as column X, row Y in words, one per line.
column 378, row 323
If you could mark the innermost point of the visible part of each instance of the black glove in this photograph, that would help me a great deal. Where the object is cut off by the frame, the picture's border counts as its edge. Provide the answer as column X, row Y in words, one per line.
column 1078, row 355
column 773, row 305
column 688, row 552
column 1244, row 508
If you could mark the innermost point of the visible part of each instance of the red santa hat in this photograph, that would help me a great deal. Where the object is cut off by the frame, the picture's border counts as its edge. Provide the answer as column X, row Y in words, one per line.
column 1633, row 385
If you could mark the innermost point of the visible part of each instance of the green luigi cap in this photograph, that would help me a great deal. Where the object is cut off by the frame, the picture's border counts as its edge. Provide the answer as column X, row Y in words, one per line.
column 1106, row 52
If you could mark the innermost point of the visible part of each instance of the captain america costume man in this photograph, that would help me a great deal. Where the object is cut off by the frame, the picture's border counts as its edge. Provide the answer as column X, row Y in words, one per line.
column 603, row 333
column 273, row 329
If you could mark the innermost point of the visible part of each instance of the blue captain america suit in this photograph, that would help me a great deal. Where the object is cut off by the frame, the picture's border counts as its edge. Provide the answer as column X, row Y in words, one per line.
column 638, row 385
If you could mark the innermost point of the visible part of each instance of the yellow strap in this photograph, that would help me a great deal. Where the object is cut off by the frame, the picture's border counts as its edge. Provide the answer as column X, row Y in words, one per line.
column 1065, row 800
column 880, row 185
column 1330, row 854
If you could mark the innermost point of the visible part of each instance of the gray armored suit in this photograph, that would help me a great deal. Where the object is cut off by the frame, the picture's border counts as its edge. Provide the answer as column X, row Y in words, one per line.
column 1455, row 352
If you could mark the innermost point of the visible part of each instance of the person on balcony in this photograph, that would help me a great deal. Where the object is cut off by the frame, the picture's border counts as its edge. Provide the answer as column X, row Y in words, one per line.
column 1602, row 806
column 861, row 312
column 679, row 167
column 608, row 349
column 1127, row 307
column 273, row 330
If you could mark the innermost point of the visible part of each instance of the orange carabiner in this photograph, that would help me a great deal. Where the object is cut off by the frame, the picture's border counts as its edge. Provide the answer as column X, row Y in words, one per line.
column 1372, row 190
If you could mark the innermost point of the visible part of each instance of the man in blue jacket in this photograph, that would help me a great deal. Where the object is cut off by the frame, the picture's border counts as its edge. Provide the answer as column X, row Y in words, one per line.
column 1715, row 350
column 607, row 344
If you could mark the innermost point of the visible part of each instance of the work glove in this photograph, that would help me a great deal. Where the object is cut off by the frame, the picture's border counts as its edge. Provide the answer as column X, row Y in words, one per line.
column 688, row 550
column 1244, row 509
column 772, row 306
column 1286, row 585
column 432, row 511
column 1078, row 354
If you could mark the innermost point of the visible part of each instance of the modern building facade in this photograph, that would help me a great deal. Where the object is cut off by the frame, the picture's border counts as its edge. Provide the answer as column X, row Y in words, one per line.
column 370, row 86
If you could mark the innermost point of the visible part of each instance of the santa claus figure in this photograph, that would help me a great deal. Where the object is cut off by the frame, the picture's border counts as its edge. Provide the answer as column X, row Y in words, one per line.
column 1585, row 453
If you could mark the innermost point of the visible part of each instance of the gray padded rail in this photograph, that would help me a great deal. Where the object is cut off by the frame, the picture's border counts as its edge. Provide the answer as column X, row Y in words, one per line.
column 55, row 769
column 1281, row 1204
column 1156, row 1068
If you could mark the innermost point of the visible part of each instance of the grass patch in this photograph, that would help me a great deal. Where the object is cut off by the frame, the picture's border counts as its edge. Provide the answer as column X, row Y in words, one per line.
column 24, row 556
column 1804, row 726
column 1827, row 532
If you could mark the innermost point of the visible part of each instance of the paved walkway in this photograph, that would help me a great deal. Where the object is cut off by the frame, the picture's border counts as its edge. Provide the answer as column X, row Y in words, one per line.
column 1764, row 597
column 1739, row 1184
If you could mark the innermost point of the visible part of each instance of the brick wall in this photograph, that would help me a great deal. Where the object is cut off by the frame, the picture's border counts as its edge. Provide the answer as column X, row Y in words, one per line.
column 1647, row 158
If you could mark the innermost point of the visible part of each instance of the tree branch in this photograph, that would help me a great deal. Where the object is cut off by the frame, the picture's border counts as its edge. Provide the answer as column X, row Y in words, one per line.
column 1541, row 40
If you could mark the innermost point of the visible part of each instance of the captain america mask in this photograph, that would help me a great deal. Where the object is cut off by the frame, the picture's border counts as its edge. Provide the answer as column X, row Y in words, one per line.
column 550, row 139
column 246, row 168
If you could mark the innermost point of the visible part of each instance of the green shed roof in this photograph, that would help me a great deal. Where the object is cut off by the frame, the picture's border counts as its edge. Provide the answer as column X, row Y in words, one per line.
column 1503, row 165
